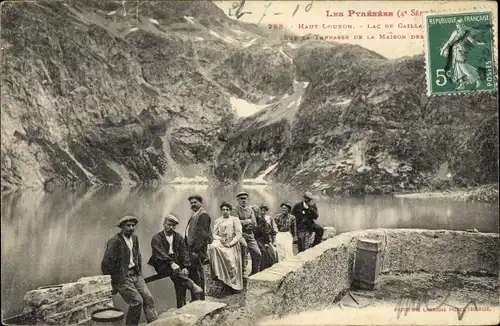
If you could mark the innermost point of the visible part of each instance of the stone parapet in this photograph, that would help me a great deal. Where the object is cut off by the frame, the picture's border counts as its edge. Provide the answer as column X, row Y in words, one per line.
column 317, row 277
column 191, row 314
column 69, row 303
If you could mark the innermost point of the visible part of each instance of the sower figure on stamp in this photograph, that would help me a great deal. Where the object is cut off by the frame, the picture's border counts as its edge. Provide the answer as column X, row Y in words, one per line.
column 248, row 222
column 198, row 237
column 456, row 50
column 122, row 260
column 170, row 258
column 306, row 213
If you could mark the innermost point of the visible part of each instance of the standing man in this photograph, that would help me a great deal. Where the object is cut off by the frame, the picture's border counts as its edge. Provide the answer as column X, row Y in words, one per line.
column 170, row 258
column 306, row 213
column 122, row 260
column 249, row 223
column 198, row 237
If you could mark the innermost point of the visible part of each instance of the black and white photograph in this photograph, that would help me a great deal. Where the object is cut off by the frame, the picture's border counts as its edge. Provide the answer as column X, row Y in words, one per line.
column 206, row 163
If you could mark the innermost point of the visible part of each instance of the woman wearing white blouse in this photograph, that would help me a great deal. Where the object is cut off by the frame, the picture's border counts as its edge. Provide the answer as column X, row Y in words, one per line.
column 225, row 250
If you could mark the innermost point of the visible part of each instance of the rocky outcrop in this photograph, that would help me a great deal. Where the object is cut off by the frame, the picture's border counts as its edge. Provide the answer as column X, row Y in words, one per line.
column 80, row 75
column 368, row 127
column 364, row 125
column 90, row 99
column 69, row 303
column 256, row 73
column 252, row 150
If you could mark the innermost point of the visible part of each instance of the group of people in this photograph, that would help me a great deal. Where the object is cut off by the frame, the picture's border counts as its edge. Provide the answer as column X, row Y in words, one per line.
column 239, row 231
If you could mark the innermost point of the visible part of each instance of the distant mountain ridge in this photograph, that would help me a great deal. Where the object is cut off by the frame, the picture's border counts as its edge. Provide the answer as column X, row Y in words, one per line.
column 101, row 92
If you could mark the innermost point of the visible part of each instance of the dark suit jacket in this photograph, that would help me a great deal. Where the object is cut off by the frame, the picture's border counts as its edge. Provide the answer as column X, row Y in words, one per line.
column 304, row 217
column 117, row 258
column 160, row 247
column 199, row 233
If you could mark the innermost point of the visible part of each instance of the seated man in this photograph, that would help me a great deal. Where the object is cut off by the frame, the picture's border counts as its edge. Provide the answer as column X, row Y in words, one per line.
column 170, row 259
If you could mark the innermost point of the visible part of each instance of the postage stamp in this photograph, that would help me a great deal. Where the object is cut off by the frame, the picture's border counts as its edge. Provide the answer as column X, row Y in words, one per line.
column 460, row 52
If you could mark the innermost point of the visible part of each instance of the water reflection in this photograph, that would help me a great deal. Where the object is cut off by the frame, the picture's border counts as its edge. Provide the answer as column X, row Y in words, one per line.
column 60, row 237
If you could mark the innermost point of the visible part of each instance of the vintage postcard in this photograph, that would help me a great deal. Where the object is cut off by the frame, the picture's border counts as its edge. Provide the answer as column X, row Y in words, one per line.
column 249, row 162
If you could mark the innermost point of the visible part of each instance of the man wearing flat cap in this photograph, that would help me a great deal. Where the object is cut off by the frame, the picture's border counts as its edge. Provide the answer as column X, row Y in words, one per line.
column 122, row 260
column 198, row 236
column 249, row 223
column 170, row 258
column 306, row 214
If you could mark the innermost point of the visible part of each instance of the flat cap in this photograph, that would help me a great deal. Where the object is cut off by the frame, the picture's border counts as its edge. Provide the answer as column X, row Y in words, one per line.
column 308, row 194
column 172, row 218
column 127, row 218
column 242, row 194
column 197, row 197
column 286, row 205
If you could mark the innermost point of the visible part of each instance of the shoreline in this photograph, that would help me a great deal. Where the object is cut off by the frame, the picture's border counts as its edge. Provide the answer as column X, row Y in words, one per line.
column 483, row 194
column 461, row 194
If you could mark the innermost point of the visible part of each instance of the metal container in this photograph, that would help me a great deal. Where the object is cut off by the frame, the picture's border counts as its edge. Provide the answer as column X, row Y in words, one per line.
column 367, row 264
column 108, row 316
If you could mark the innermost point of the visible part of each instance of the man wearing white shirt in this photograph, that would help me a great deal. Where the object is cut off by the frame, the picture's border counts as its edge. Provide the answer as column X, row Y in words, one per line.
column 122, row 261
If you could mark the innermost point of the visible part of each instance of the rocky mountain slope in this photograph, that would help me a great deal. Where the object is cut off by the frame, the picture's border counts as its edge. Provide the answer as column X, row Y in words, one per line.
column 101, row 92
column 98, row 92
column 364, row 125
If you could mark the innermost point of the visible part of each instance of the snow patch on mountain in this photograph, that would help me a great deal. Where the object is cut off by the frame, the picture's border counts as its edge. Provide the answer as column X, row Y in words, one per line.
column 244, row 108
column 250, row 43
column 190, row 19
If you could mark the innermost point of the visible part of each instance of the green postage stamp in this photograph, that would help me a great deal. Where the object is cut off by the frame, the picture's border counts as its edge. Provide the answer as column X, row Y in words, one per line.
column 460, row 52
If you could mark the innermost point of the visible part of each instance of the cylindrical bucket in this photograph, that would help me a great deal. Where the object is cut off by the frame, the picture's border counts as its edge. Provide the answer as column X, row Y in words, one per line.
column 108, row 316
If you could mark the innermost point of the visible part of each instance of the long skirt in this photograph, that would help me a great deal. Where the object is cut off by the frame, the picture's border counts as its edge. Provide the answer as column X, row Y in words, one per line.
column 269, row 255
column 226, row 264
column 284, row 245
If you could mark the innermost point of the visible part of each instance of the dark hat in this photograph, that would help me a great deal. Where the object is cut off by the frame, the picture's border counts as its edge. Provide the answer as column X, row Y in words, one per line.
column 226, row 204
column 308, row 194
column 264, row 207
column 241, row 194
column 127, row 218
column 286, row 205
column 197, row 197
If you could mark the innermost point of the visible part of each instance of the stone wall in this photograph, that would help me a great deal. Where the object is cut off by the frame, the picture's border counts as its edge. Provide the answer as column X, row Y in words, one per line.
column 217, row 289
column 69, row 303
column 317, row 277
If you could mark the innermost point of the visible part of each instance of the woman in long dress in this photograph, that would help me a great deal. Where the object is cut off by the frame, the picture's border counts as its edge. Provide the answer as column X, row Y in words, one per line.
column 225, row 250
column 287, row 231
column 460, row 42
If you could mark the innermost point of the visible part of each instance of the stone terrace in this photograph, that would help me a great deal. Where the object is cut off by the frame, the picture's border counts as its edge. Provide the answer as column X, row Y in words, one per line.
column 320, row 276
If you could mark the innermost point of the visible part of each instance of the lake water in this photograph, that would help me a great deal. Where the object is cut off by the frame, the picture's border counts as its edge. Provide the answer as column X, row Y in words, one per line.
column 52, row 238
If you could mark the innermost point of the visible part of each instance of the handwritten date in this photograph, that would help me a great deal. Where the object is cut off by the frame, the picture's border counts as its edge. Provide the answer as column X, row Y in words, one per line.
column 238, row 8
